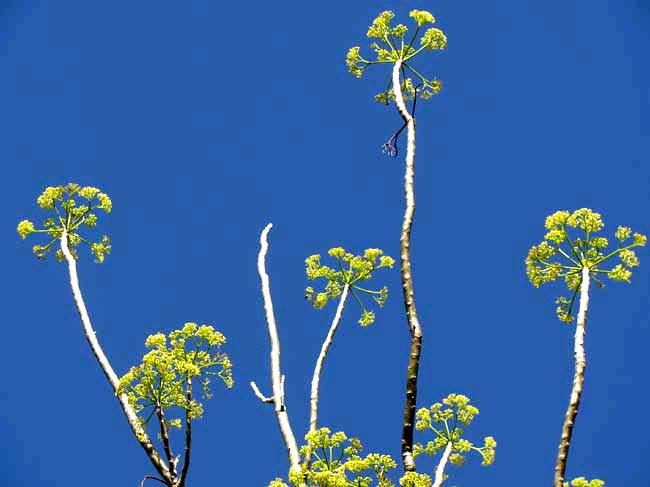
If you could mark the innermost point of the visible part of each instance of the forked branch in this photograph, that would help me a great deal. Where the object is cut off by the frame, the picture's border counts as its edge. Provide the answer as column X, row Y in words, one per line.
column 132, row 418
column 407, row 278
column 277, row 378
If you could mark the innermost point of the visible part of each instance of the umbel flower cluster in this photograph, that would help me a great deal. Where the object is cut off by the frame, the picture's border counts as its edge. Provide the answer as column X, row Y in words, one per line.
column 69, row 216
column 393, row 47
column 339, row 462
column 352, row 270
column 562, row 256
column 164, row 378
column 448, row 421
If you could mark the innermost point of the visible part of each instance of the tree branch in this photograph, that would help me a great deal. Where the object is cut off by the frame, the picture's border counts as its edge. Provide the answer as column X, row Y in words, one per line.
column 164, row 434
column 188, row 435
column 407, row 278
column 578, row 381
column 315, row 382
column 440, row 471
column 96, row 348
column 276, row 377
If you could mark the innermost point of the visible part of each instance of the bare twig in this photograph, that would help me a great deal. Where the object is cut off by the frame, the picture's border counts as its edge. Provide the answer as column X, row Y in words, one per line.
column 276, row 376
column 578, row 380
column 407, row 278
column 259, row 394
column 96, row 348
column 188, row 435
column 440, row 471
column 164, row 435
column 151, row 477
column 315, row 382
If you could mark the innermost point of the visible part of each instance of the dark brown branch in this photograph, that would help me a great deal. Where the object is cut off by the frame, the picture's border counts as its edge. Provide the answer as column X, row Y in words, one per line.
column 407, row 278
column 578, row 381
column 188, row 435
column 165, row 440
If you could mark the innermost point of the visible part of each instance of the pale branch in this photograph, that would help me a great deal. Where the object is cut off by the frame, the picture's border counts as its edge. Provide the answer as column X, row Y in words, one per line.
column 315, row 382
column 96, row 348
column 578, row 381
column 440, row 471
column 259, row 394
column 164, row 435
column 188, row 436
column 408, row 459
column 276, row 376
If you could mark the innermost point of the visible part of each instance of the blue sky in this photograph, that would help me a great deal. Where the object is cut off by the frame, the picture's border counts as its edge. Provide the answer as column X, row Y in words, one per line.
column 204, row 121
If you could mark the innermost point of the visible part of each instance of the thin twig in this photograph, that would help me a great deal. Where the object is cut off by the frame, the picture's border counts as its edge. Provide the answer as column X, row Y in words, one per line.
column 188, row 435
column 164, row 435
column 578, row 381
column 315, row 382
column 96, row 348
column 440, row 471
column 407, row 279
column 259, row 394
column 276, row 376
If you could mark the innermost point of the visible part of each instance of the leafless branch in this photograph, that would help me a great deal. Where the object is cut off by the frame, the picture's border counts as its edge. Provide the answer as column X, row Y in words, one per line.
column 276, row 376
column 315, row 382
column 407, row 278
column 188, row 436
column 578, row 380
column 164, row 435
column 96, row 348
column 440, row 471
column 259, row 394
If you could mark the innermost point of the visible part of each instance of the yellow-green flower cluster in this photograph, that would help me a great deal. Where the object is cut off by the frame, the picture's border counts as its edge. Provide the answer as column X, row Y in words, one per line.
column 574, row 254
column 582, row 482
column 69, row 216
column 163, row 377
column 338, row 463
column 392, row 47
column 414, row 479
column 448, row 421
column 352, row 270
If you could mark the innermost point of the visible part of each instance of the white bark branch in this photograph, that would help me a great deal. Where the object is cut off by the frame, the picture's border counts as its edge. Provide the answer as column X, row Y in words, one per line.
column 578, row 381
column 408, row 460
column 440, row 471
column 104, row 363
column 276, row 377
column 315, row 382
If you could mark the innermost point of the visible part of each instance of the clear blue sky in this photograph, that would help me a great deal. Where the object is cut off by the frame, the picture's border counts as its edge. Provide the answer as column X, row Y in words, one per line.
column 204, row 121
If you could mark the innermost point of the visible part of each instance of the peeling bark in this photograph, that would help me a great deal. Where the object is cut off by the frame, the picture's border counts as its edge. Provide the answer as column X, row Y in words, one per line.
column 578, row 380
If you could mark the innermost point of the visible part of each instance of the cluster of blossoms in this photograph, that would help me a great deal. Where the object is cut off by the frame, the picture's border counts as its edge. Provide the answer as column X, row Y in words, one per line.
column 448, row 421
column 163, row 378
column 352, row 269
column 583, row 482
column 69, row 216
column 342, row 468
column 392, row 48
column 586, row 251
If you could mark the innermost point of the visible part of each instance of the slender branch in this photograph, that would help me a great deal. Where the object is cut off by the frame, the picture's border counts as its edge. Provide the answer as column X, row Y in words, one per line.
column 407, row 279
column 578, row 380
column 96, row 348
column 147, row 477
column 315, row 382
column 276, row 377
column 440, row 471
column 164, row 435
column 188, row 435
column 259, row 394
